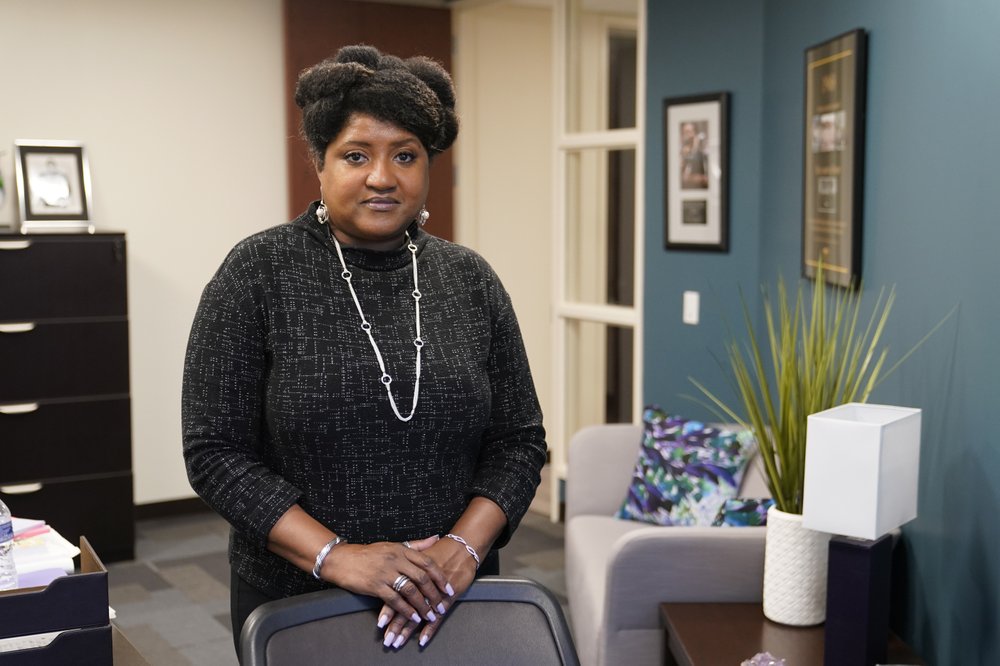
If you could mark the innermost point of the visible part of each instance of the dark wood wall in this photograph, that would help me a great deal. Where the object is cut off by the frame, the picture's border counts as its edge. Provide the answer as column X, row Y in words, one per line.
column 315, row 29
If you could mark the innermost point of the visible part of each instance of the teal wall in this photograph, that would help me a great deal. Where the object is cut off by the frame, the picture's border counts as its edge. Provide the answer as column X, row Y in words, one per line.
column 703, row 47
column 932, row 229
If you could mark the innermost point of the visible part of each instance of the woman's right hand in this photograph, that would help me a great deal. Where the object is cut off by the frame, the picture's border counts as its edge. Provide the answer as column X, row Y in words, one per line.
column 373, row 569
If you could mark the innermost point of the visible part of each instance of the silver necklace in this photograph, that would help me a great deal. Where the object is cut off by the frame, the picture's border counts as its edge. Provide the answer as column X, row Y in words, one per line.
column 418, row 342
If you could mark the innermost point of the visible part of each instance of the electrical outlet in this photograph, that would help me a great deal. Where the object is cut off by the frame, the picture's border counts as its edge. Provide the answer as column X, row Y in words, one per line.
column 692, row 305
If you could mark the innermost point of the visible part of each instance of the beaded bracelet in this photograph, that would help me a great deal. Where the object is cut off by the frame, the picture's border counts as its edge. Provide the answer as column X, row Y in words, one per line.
column 472, row 551
column 324, row 551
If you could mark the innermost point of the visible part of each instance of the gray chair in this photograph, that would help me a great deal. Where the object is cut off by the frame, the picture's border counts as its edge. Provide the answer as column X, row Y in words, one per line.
column 499, row 620
column 618, row 571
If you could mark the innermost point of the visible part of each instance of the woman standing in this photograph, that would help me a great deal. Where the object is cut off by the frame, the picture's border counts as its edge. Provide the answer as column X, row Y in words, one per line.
column 357, row 399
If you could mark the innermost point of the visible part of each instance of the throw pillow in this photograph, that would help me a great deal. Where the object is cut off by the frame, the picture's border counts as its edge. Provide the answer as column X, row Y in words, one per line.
column 743, row 512
column 685, row 471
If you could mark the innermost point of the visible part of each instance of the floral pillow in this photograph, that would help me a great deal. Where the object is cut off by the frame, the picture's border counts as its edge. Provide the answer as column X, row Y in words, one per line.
column 685, row 472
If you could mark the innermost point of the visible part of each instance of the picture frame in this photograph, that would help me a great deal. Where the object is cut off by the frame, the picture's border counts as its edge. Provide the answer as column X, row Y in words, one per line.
column 833, row 163
column 696, row 172
column 53, row 186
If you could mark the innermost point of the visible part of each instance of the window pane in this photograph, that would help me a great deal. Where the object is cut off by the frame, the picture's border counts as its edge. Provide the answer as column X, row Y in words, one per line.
column 598, row 374
column 600, row 226
column 600, row 64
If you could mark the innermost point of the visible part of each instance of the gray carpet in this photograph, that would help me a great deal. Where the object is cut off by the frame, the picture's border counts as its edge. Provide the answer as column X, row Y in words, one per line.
column 172, row 601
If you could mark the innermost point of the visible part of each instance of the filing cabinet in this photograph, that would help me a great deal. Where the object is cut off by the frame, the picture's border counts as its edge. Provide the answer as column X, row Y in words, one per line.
column 65, row 411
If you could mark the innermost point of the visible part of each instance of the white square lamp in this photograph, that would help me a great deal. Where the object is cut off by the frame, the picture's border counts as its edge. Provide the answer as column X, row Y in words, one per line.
column 861, row 476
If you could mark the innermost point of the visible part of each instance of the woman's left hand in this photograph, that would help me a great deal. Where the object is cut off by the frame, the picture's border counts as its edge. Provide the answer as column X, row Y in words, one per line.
column 459, row 569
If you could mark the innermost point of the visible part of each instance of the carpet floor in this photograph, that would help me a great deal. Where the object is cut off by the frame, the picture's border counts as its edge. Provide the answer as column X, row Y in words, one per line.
column 172, row 601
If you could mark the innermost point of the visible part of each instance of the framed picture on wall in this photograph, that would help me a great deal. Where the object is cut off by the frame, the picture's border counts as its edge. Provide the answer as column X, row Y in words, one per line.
column 833, row 173
column 53, row 186
column 696, row 172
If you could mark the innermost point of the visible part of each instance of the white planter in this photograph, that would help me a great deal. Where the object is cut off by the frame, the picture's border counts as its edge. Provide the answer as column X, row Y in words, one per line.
column 794, row 571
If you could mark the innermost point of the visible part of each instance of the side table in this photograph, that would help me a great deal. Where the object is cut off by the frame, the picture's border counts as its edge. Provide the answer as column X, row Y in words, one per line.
column 709, row 634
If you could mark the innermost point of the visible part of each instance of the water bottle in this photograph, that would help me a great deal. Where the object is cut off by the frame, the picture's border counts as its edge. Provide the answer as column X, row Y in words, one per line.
column 8, row 574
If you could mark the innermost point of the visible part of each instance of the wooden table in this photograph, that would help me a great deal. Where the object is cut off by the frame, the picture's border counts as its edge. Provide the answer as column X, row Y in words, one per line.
column 123, row 652
column 719, row 633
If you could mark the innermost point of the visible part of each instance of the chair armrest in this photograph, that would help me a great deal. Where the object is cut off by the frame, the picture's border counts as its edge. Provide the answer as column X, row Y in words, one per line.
column 601, row 461
column 681, row 564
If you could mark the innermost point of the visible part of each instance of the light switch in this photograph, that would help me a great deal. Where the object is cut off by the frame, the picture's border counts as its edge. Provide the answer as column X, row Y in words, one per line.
column 692, row 305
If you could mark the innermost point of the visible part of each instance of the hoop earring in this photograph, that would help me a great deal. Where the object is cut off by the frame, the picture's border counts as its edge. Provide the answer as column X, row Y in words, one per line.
column 423, row 216
column 322, row 215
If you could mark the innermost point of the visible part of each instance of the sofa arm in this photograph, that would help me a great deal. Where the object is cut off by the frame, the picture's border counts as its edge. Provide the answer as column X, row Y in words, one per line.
column 681, row 564
column 601, row 461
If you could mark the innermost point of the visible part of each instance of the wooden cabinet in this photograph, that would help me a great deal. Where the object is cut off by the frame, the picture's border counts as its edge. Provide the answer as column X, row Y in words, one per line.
column 65, row 416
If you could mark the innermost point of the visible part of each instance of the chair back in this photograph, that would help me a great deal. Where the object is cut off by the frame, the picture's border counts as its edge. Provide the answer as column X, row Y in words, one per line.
column 499, row 620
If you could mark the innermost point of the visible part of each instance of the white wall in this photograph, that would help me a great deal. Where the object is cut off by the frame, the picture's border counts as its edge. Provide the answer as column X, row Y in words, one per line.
column 180, row 105
column 504, row 162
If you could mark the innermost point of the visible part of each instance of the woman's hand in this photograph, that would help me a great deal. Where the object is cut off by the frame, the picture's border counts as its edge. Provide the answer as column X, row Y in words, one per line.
column 374, row 570
column 459, row 569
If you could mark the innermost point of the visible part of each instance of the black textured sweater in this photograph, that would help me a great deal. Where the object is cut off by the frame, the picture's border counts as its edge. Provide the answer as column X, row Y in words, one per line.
column 282, row 399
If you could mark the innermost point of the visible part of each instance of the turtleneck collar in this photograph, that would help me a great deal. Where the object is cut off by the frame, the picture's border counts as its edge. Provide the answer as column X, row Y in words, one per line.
column 372, row 260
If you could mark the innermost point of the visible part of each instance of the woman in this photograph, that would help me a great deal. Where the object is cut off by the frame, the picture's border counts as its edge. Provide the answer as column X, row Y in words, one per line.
column 357, row 399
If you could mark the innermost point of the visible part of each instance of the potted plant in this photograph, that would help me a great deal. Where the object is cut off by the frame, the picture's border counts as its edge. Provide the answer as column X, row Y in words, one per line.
column 817, row 352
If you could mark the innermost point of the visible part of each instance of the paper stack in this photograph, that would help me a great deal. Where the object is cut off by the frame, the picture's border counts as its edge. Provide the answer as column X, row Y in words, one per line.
column 40, row 553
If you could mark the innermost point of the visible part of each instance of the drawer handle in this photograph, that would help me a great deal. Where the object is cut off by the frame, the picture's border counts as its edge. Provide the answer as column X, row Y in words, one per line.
column 21, row 489
column 22, row 408
column 20, row 327
column 15, row 245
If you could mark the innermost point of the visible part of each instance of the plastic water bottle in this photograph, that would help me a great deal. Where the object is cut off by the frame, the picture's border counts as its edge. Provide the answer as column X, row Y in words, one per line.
column 8, row 574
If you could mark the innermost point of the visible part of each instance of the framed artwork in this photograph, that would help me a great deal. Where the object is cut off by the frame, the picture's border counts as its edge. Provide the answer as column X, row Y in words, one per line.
column 833, row 172
column 53, row 186
column 696, row 172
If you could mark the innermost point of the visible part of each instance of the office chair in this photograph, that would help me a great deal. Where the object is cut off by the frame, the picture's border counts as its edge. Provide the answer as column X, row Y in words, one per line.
column 499, row 620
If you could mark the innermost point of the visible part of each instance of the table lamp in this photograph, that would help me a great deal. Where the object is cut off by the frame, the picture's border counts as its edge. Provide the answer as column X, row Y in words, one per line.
column 862, row 468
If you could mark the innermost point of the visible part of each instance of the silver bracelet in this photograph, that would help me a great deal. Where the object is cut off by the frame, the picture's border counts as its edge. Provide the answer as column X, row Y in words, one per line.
column 324, row 551
column 472, row 551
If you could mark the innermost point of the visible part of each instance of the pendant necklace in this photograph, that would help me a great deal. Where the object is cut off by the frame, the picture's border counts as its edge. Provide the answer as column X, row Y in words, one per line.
column 418, row 342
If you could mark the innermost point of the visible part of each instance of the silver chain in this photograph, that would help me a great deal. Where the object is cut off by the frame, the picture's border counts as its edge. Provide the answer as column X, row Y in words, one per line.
column 418, row 342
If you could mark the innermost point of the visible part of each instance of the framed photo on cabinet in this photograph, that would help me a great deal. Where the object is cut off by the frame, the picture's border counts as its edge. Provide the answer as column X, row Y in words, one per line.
column 53, row 186
column 833, row 171
column 696, row 172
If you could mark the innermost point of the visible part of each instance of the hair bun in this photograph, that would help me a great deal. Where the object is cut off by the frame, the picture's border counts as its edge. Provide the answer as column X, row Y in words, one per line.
column 328, row 79
column 436, row 78
column 363, row 54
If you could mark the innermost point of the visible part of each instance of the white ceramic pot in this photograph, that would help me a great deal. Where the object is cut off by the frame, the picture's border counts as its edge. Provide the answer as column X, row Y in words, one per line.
column 795, row 560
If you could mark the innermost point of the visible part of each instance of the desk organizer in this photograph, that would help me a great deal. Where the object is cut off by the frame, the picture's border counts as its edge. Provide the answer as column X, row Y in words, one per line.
column 76, row 605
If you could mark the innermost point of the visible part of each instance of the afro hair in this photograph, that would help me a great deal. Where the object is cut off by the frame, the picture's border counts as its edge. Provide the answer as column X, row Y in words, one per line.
column 415, row 94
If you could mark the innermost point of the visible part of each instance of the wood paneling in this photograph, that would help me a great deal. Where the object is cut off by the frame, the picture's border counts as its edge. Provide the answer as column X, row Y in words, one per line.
column 314, row 30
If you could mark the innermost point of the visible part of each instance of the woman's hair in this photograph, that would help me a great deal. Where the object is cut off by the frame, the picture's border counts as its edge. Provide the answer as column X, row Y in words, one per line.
column 415, row 94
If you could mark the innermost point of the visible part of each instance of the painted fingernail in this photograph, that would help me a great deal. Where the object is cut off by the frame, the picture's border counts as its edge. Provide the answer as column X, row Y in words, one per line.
column 399, row 641
column 431, row 616
column 388, row 638
column 416, row 618
column 441, row 609
column 424, row 639
column 449, row 589
column 383, row 620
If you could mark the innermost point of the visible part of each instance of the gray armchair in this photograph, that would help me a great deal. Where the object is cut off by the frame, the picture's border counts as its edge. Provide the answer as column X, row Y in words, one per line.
column 619, row 571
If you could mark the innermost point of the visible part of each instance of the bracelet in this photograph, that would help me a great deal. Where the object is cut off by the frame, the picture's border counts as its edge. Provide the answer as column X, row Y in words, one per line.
column 472, row 551
column 324, row 551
